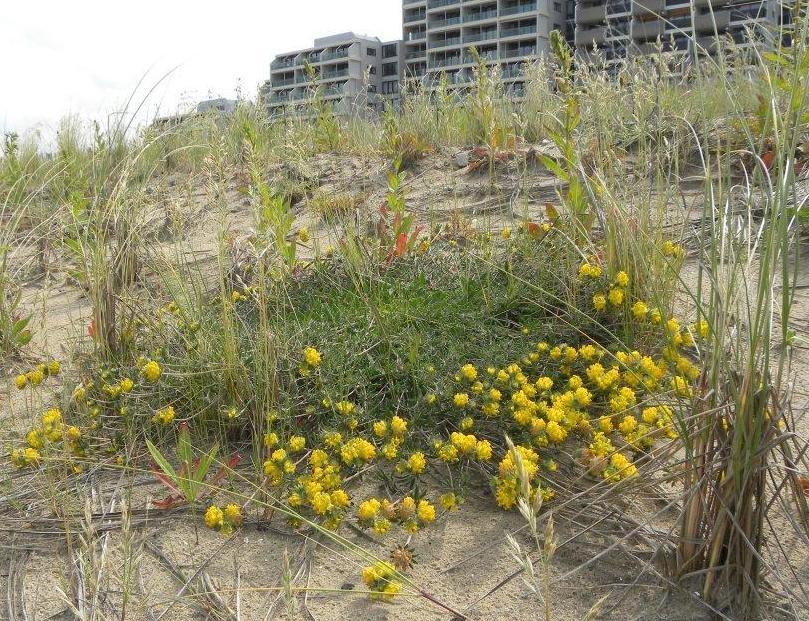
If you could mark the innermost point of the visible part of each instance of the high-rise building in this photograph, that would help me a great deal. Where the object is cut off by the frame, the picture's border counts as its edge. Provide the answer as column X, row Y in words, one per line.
column 619, row 28
column 439, row 34
column 359, row 72
column 347, row 69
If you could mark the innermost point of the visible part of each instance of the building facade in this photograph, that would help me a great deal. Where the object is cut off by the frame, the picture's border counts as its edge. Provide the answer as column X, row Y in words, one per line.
column 358, row 72
column 438, row 36
column 347, row 69
column 620, row 28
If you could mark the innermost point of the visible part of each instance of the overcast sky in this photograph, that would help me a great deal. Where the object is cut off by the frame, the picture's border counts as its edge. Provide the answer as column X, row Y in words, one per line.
column 86, row 57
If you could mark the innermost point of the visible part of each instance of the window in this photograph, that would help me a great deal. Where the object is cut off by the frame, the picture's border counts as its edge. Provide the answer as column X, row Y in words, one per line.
column 557, row 6
column 390, row 88
column 389, row 69
column 371, row 51
column 389, row 50
column 371, row 70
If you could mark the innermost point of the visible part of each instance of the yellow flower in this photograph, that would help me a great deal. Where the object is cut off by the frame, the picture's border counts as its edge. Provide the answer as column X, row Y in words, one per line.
column 278, row 455
column 321, row 503
column 345, row 408
column 430, row 399
column 416, row 463
column 126, row 385
column 214, row 518
column 380, row 428
column 340, row 498
column 640, row 310
column 628, row 424
column 599, row 302
column 469, row 372
column 449, row 501
column 296, row 444
column 20, row 381
column 165, row 415
column 555, row 432
column 368, row 509
column 398, row 426
column 233, row 514
column 622, row 279
column 461, row 399
column 303, row 234
column 506, row 232
column 426, row 511
column 311, row 356
column 616, row 296
column 35, row 376
column 151, row 371
column 467, row 423
column 53, row 367
column 483, row 450
column 270, row 439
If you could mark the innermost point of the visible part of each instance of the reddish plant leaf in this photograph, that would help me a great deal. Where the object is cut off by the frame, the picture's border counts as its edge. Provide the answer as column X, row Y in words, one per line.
column 768, row 159
column 169, row 502
column 803, row 481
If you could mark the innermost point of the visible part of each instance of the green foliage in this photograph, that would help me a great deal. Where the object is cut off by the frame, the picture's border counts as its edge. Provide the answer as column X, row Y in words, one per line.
column 189, row 479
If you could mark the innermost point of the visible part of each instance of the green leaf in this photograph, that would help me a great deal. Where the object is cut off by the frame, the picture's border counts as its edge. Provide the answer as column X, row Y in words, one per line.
column 161, row 461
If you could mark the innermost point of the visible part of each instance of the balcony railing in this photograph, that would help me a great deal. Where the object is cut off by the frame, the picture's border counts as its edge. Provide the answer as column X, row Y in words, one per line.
column 281, row 64
column 433, row 4
column 484, row 56
column 415, row 17
column 416, row 54
column 285, row 82
column 449, row 21
column 518, row 8
column 480, row 36
column 514, row 32
column 330, row 75
column 416, row 36
column 333, row 55
column 444, row 62
column 522, row 51
column 480, row 16
column 446, row 42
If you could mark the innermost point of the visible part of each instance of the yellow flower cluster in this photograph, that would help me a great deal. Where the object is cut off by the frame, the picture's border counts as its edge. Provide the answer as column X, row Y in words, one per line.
column 380, row 578
column 311, row 360
column 224, row 519
column 165, row 415
column 150, row 371
column 410, row 514
column 37, row 375
column 51, row 434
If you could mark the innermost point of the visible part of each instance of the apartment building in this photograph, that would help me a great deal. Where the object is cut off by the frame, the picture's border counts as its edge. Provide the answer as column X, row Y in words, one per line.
column 618, row 28
column 350, row 70
column 438, row 35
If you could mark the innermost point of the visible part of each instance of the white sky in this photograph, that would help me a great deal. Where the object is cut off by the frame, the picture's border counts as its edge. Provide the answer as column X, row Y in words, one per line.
column 86, row 57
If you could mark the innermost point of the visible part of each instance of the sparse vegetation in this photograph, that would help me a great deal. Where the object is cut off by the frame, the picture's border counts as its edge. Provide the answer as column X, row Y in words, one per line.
column 607, row 344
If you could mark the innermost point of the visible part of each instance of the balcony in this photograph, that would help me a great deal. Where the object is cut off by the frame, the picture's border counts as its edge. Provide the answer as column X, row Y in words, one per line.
column 712, row 23
column 491, row 55
column 509, row 73
column 416, row 54
column 480, row 36
column 643, row 31
column 331, row 75
column 450, row 42
column 326, row 56
column 480, row 16
column 591, row 14
column 648, row 7
column 434, row 4
column 445, row 62
column 516, row 32
column 284, row 82
column 590, row 36
column 443, row 23
column 519, row 52
column 416, row 36
column 419, row 16
column 282, row 63
column 518, row 8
